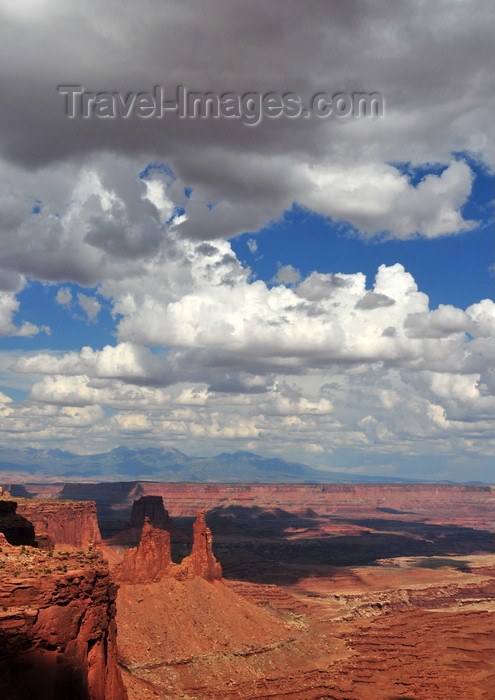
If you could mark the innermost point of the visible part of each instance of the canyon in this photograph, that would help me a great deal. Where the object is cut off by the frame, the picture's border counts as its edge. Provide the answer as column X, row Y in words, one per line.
column 248, row 591
column 57, row 626
column 461, row 504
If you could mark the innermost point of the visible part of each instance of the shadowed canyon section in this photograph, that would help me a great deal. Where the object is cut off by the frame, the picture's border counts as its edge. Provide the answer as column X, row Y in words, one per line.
column 263, row 532
column 324, row 591
column 404, row 627
column 16, row 529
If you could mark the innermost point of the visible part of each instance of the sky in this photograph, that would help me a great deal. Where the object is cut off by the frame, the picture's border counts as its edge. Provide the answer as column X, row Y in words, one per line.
column 316, row 288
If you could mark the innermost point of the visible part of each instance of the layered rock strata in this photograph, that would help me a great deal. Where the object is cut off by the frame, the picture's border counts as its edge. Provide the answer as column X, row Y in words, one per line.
column 150, row 560
column 58, row 524
column 467, row 505
column 354, row 634
column 57, row 627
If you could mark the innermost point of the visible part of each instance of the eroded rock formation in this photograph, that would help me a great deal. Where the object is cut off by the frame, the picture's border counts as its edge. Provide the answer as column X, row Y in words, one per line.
column 151, row 559
column 201, row 561
column 397, row 630
column 152, row 509
column 57, row 524
column 469, row 505
column 57, row 627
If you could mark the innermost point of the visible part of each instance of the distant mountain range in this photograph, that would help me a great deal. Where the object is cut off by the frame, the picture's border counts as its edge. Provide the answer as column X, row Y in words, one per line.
column 162, row 464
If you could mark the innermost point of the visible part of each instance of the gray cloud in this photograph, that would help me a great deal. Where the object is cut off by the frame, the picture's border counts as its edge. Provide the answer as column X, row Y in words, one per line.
column 318, row 365
column 428, row 61
column 372, row 300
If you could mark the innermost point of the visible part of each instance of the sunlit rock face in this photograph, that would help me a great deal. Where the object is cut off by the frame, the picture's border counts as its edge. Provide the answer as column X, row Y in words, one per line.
column 56, row 524
column 151, row 559
column 57, row 626
column 201, row 561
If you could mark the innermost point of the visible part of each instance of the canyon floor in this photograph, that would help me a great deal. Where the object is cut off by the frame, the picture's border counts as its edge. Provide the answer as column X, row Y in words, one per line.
column 348, row 592
column 365, row 595
column 391, row 631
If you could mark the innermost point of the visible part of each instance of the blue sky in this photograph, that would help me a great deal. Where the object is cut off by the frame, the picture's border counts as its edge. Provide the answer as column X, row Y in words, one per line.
column 451, row 270
column 454, row 270
column 314, row 289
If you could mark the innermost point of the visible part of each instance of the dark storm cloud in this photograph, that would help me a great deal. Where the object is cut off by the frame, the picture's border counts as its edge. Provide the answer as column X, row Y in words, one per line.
column 427, row 60
column 419, row 55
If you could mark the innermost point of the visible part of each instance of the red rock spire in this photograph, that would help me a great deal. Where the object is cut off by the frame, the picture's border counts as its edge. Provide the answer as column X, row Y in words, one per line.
column 201, row 561
column 151, row 559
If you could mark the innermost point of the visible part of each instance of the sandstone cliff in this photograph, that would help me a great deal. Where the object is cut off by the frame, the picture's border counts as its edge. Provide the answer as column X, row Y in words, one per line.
column 57, row 627
column 467, row 505
column 62, row 523
column 464, row 504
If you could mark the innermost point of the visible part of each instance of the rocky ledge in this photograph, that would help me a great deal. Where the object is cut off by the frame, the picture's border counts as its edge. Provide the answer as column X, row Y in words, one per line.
column 57, row 626
column 58, row 523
